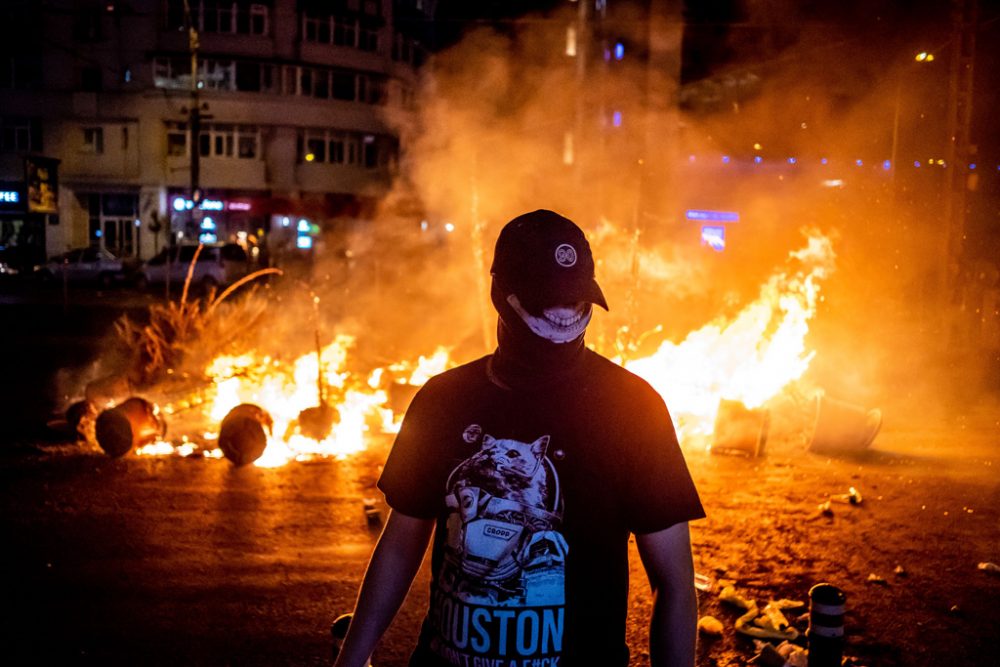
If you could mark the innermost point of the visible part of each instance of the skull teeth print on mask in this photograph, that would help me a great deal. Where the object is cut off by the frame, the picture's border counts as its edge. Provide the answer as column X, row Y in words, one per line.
column 558, row 324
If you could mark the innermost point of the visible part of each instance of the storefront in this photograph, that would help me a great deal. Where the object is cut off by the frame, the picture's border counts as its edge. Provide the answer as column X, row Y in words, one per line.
column 220, row 215
column 27, row 207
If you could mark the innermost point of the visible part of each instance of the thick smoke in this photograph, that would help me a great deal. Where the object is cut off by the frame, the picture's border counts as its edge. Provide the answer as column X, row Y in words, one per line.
column 507, row 122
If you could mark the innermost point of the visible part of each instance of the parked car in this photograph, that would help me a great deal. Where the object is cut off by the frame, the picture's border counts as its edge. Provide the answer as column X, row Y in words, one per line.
column 83, row 265
column 218, row 264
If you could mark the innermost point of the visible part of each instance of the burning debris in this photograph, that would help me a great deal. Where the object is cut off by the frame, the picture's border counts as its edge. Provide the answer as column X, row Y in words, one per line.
column 131, row 424
column 264, row 408
column 244, row 432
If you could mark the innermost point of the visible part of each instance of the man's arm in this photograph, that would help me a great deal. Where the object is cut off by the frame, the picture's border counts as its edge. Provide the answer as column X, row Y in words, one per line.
column 390, row 572
column 666, row 555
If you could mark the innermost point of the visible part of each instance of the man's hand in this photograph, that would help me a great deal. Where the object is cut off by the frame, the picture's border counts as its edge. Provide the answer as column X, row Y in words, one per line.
column 393, row 564
column 666, row 555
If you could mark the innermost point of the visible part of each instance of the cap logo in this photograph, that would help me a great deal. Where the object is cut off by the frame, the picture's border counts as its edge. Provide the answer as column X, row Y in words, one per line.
column 566, row 255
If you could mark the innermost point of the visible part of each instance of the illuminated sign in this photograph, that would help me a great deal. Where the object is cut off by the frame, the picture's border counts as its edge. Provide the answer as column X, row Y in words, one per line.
column 304, row 242
column 238, row 206
column 10, row 196
column 42, row 184
column 714, row 237
column 183, row 204
column 207, row 237
column 712, row 216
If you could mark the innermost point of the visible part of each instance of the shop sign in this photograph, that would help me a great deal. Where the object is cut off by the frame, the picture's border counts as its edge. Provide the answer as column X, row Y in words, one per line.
column 42, row 183
column 11, row 196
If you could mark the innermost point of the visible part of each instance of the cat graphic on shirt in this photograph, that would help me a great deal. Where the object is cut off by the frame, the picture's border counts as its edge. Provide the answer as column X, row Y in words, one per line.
column 508, row 469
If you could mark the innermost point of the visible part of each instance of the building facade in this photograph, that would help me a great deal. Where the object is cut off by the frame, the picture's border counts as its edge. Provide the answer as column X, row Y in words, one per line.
column 292, row 115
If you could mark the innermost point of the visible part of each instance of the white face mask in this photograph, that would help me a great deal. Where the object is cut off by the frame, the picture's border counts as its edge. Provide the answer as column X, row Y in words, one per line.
column 558, row 324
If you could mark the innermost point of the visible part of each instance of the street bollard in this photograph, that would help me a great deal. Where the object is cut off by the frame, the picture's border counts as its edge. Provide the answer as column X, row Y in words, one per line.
column 826, row 626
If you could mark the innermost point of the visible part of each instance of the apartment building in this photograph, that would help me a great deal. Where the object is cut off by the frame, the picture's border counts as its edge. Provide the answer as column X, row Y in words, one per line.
column 293, row 113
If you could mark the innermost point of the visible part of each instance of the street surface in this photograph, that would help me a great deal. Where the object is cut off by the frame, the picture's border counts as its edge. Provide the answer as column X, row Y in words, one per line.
column 178, row 561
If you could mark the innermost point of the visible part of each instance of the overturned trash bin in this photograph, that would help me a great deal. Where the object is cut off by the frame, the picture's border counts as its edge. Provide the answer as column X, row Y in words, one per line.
column 133, row 423
column 739, row 429
column 843, row 428
column 244, row 432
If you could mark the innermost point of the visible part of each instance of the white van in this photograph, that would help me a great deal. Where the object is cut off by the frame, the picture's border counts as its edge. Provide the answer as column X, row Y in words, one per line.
column 218, row 264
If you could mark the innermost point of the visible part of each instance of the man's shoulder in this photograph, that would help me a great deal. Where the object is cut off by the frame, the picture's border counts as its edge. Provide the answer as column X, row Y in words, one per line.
column 457, row 378
column 616, row 379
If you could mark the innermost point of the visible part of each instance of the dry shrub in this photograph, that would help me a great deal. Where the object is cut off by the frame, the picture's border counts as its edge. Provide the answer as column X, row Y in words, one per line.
column 188, row 332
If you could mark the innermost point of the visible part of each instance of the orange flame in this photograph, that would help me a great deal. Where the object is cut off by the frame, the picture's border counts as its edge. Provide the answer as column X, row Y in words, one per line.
column 750, row 358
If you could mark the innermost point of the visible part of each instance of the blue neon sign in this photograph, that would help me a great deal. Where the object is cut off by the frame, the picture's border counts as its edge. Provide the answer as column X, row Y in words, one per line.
column 711, row 216
column 714, row 237
column 10, row 196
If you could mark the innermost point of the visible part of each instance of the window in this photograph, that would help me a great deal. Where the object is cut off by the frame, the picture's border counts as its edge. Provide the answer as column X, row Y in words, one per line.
column 220, row 16
column 344, row 86
column 19, row 135
column 112, row 222
column 177, row 138
column 90, row 79
column 258, row 19
column 87, row 25
column 249, row 76
column 332, row 146
column 217, row 140
column 217, row 74
column 23, row 70
column 93, row 140
column 348, row 31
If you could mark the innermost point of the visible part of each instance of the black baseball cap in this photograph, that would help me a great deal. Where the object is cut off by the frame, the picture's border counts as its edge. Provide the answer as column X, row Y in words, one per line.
column 545, row 260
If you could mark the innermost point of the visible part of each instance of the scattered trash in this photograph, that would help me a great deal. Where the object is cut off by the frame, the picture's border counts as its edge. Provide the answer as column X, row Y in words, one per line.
column 900, row 572
column 767, row 655
column 987, row 566
column 771, row 624
column 794, row 655
column 955, row 610
column 825, row 509
column 876, row 579
column 852, row 497
column 372, row 513
column 702, row 582
column 710, row 625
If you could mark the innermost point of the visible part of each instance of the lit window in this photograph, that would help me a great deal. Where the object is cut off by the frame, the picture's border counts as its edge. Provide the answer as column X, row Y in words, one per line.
column 93, row 140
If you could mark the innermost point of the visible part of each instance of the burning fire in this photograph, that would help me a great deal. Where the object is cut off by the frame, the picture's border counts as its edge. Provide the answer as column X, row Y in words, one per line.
column 750, row 358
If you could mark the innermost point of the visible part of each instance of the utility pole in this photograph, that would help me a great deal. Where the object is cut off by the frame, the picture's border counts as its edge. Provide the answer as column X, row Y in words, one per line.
column 194, row 112
column 964, row 18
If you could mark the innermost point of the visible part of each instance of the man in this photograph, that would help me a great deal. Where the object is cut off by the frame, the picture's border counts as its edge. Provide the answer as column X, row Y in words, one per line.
column 531, row 467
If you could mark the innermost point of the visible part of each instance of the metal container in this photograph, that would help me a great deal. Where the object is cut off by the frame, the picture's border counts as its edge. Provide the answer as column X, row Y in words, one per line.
column 244, row 432
column 843, row 428
column 739, row 429
column 133, row 423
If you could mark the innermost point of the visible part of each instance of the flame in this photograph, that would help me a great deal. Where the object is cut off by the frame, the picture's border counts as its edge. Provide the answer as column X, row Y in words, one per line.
column 285, row 389
column 749, row 358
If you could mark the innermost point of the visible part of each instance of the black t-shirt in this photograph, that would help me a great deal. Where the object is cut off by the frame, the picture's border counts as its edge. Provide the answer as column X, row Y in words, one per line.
column 535, row 494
